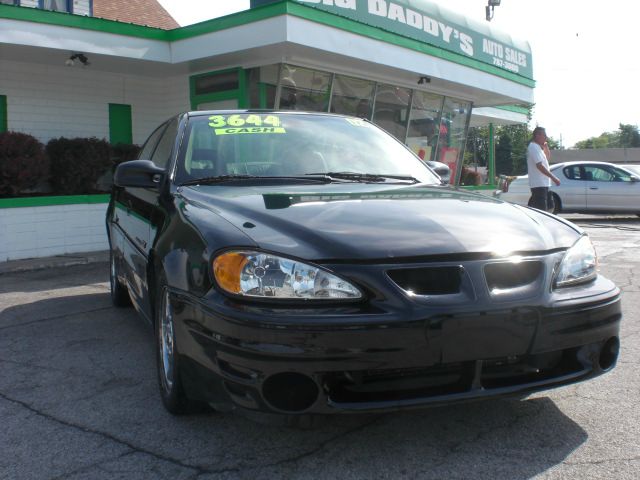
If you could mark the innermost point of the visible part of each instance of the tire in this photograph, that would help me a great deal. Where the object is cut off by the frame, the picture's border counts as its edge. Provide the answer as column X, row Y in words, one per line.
column 172, row 392
column 119, row 292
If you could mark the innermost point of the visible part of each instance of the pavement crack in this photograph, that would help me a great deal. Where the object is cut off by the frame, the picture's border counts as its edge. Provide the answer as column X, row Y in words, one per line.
column 134, row 448
column 55, row 317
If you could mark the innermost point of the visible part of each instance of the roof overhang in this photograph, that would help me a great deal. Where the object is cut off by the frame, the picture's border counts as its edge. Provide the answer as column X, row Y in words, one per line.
column 283, row 32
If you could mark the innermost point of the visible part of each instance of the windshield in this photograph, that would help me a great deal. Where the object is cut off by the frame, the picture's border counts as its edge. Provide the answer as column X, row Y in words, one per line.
column 265, row 144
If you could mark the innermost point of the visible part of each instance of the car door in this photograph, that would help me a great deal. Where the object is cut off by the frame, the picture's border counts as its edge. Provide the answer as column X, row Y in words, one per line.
column 612, row 189
column 135, row 213
column 572, row 188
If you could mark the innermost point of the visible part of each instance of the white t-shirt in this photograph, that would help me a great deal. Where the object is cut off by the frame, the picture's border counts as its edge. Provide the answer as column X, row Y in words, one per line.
column 536, row 155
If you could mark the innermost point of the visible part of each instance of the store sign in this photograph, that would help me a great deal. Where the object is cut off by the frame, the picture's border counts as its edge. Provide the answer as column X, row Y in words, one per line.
column 425, row 22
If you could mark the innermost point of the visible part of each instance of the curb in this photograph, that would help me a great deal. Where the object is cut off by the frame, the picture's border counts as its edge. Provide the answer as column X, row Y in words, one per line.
column 32, row 264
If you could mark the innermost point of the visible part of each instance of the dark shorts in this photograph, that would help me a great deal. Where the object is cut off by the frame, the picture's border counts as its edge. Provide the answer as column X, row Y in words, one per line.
column 540, row 199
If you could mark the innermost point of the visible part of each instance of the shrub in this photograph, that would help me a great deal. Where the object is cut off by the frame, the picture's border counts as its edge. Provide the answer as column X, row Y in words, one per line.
column 470, row 177
column 23, row 164
column 123, row 152
column 77, row 164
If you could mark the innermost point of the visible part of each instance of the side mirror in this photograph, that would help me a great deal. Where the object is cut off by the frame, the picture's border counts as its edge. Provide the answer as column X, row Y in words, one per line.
column 634, row 178
column 138, row 173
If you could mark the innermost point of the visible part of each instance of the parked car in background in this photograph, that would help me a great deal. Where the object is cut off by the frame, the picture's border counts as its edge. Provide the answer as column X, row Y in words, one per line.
column 304, row 263
column 585, row 187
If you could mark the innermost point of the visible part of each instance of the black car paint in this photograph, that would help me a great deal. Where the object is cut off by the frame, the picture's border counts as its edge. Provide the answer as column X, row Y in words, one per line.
column 230, row 347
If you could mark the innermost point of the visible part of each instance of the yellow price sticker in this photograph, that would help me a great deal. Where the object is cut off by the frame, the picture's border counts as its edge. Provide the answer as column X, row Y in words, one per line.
column 244, row 120
column 245, row 130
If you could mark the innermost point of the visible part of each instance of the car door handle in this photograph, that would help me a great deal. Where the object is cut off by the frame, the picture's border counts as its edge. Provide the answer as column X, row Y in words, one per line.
column 593, row 188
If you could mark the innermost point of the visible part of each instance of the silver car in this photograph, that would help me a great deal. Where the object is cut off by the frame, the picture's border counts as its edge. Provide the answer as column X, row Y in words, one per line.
column 585, row 187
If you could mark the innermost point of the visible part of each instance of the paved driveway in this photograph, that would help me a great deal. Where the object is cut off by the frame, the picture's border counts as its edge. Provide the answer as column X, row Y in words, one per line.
column 78, row 400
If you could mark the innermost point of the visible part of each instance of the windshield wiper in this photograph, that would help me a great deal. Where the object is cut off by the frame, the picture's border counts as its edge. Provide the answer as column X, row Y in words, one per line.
column 320, row 177
column 216, row 179
column 367, row 177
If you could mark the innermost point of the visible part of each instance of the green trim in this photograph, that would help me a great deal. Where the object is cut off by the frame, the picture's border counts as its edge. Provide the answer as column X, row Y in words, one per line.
column 120, row 123
column 63, row 19
column 515, row 108
column 4, row 115
column 51, row 201
column 250, row 16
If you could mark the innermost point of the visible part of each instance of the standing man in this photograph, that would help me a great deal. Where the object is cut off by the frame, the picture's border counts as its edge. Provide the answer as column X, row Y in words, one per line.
column 540, row 177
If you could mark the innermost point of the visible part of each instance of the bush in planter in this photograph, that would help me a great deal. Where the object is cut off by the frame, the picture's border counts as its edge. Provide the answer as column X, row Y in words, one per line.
column 77, row 164
column 470, row 177
column 123, row 152
column 23, row 164
column 120, row 152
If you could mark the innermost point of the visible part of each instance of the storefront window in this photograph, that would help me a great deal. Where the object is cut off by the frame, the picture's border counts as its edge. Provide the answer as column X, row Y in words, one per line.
column 216, row 82
column 423, row 132
column 391, row 109
column 452, row 135
column 352, row 96
column 304, row 89
column 263, row 83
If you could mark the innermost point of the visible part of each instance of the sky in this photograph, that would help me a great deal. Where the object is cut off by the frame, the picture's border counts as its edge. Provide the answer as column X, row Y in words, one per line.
column 586, row 69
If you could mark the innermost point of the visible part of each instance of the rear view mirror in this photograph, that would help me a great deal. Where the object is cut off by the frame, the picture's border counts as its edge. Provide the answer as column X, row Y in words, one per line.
column 138, row 173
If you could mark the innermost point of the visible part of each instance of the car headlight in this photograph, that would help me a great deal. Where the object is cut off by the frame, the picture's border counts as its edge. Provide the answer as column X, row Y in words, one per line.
column 262, row 275
column 578, row 265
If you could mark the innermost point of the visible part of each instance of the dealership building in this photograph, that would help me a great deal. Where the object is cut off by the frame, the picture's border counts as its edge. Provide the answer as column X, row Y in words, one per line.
column 424, row 74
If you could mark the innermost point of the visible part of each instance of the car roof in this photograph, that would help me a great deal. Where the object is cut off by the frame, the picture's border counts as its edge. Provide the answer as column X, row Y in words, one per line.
column 585, row 162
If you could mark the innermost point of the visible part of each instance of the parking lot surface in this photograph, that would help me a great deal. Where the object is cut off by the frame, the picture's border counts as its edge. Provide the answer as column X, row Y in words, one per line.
column 79, row 400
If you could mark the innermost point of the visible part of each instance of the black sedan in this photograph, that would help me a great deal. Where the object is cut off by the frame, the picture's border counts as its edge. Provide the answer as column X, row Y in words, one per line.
column 306, row 263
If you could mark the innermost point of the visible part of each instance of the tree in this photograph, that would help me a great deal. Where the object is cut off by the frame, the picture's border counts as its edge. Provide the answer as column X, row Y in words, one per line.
column 477, row 149
column 627, row 136
column 511, row 149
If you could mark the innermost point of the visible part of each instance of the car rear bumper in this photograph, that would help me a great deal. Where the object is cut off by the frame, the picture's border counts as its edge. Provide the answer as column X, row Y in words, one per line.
column 303, row 365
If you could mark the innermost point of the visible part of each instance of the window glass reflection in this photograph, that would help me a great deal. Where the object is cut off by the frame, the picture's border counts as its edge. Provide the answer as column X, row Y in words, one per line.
column 422, row 137
column 391, row 109
column 352, row 96
column 452, row 134
column 304, row 89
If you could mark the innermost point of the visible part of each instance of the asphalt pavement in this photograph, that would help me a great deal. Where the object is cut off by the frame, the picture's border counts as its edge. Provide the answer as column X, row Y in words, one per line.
column 79, row 400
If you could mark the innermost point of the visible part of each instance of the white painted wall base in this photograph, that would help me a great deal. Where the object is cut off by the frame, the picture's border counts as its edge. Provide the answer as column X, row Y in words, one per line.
column 33, row 232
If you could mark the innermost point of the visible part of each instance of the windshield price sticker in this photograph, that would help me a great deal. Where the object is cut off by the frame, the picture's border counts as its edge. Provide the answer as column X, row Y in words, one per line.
column 242, row 124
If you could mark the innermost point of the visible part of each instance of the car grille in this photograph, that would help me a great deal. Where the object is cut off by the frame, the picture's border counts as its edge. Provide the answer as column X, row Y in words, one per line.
column 504, row 276
column 503, row 279
column 428, row 281
column 449, row 379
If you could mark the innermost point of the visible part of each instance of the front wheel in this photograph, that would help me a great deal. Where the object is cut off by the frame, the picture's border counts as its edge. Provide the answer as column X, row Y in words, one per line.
column 171, row 391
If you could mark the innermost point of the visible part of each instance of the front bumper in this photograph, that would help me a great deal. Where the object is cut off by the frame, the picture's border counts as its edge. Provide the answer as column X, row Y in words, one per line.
column 322, row 361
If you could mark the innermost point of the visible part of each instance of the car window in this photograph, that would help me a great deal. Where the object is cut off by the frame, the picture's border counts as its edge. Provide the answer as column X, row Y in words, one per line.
column 621, row 175
column 573, row 172
column 599, row 174
column 268, row 144
column 150, row 145
column 162, row 153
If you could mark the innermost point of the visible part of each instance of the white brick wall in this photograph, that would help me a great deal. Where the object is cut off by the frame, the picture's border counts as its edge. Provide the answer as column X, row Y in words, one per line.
column 31, row 232
column 50, row 101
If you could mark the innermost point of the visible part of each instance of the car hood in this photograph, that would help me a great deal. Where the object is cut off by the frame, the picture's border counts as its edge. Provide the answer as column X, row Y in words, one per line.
column 364, row 221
